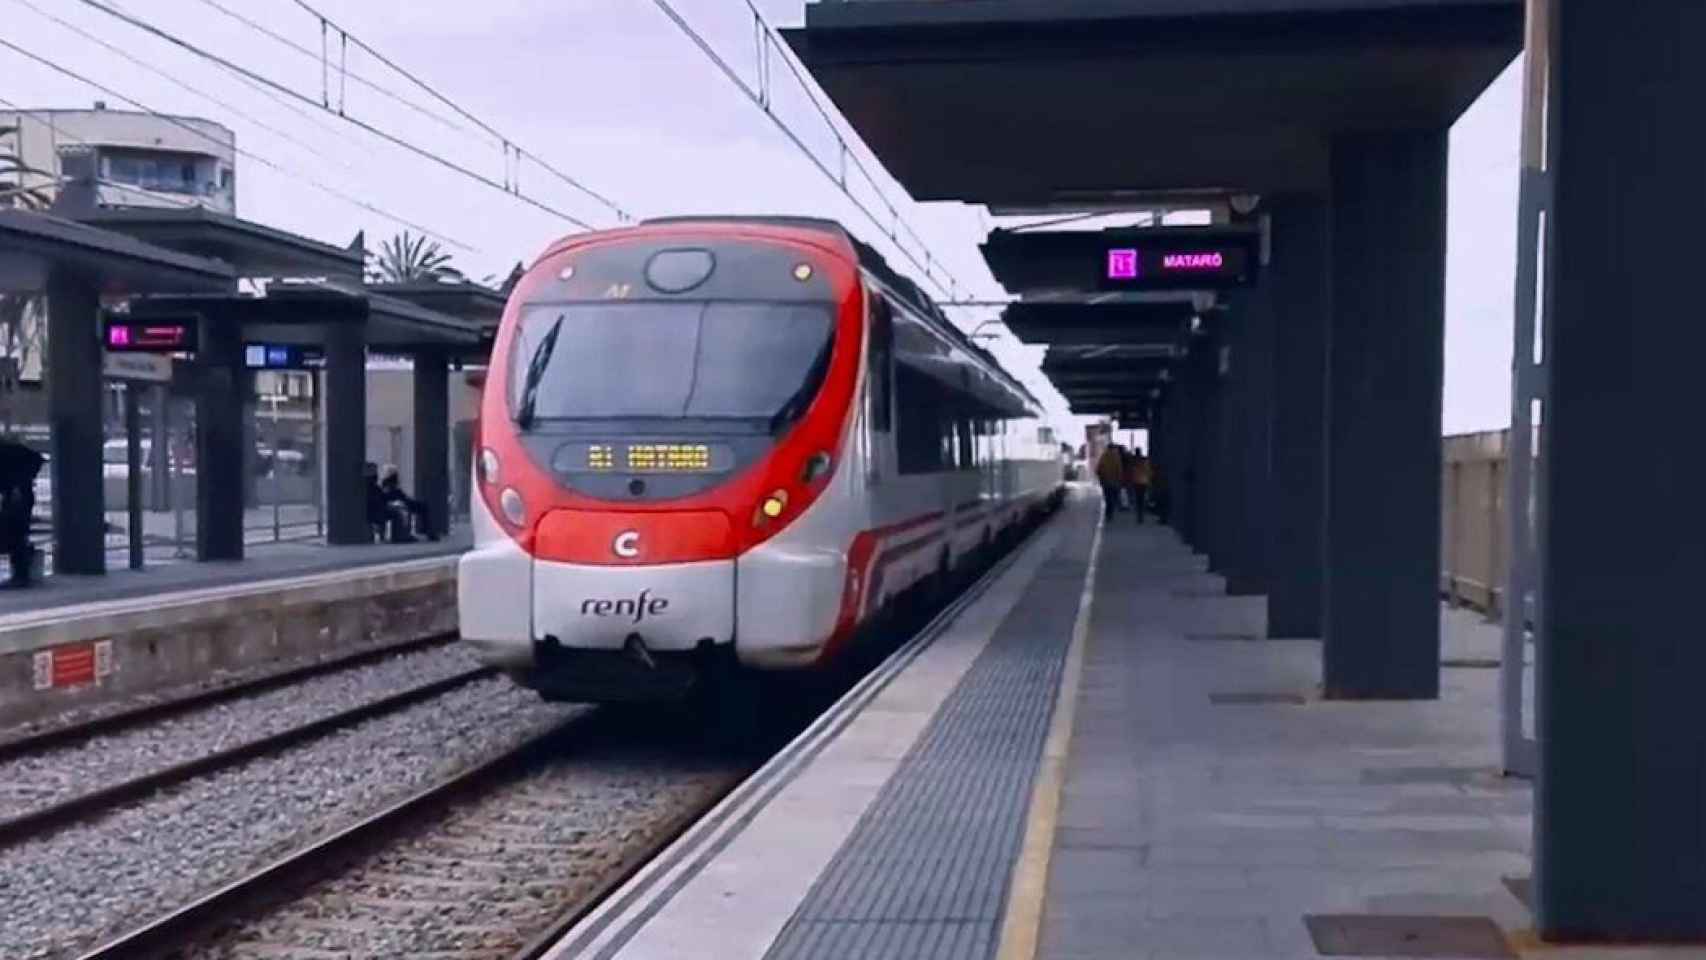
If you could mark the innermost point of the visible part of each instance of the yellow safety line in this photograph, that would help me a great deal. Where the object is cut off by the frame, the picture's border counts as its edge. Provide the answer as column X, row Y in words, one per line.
column 1024, row 916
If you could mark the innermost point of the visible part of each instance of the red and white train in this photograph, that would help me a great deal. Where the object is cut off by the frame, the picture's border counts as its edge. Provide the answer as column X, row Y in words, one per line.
column 727, row 440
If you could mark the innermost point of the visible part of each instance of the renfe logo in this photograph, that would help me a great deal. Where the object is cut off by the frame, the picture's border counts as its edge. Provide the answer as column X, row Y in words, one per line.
column 639, row 608
column 1193, row 261
column 1122, row 264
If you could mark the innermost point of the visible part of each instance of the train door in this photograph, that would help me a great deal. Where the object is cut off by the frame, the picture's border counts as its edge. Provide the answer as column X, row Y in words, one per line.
column 879, row 389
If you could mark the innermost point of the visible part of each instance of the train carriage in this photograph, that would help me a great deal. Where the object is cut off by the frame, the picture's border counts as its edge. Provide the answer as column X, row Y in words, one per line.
column 716, row 441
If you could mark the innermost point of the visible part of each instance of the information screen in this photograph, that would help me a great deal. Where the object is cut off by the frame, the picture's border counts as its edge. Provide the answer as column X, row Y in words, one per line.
column 126, row 335
column 1212, row 265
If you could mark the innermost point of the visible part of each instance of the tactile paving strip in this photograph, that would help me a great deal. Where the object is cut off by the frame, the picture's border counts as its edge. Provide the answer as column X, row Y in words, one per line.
column 925, row 873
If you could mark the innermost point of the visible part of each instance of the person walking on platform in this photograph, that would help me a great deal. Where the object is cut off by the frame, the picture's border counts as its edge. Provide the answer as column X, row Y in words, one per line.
column 1137, row 476
column 1110, row 473
column 19, row 466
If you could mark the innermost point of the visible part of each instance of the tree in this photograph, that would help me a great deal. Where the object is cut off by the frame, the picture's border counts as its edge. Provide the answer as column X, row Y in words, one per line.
column 13, row 192
column 407, row 258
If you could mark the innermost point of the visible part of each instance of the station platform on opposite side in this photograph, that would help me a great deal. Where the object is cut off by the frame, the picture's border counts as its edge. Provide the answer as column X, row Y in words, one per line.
column 1101, row 756
column 74, row 644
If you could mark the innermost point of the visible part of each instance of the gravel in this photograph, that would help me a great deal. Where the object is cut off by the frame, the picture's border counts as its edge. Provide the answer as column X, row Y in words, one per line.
column 64, row 892
column 487, row 875
column 35, row 780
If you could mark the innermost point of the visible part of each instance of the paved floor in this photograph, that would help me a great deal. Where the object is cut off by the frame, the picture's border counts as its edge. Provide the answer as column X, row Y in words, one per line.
column 1190, row 828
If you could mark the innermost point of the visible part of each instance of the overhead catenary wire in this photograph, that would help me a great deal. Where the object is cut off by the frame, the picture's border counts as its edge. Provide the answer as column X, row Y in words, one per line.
column 759, row 100
column 509, row 145
column 320, row 57
column 264, row 161
column 376, row 131
column 191, row 88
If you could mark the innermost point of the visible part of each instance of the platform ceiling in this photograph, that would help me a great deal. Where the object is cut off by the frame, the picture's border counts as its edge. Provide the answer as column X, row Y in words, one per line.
column 1048, row 101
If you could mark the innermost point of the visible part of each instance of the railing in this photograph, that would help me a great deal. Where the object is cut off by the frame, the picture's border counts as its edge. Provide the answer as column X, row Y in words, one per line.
column 1473, row 518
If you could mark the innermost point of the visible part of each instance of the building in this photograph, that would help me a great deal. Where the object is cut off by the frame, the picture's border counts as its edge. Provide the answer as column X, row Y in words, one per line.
column 121, row 158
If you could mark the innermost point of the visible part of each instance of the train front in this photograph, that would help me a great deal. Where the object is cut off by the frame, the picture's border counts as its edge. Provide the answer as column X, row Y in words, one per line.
column 659, row 469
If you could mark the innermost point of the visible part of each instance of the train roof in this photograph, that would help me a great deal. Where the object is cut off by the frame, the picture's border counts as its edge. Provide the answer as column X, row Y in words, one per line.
column 873, row 261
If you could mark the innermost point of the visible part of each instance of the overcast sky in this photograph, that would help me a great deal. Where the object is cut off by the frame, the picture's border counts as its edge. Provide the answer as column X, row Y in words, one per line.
column 613, row 94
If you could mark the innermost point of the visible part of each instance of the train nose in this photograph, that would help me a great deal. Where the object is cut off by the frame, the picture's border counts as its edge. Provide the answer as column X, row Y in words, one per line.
column 654, row 608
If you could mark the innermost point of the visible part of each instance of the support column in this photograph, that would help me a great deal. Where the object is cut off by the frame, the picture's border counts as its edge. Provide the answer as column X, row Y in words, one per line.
column 432, row 436
column 1203, row 366
column 74, row 417
column 1620, row 804
column 1385, row 373
column 1300, row 277
column 346, row 434
column 1252, row 425
column 219, row 436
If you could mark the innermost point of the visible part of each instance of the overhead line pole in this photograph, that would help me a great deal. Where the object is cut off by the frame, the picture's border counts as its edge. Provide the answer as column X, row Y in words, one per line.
column 388, row 137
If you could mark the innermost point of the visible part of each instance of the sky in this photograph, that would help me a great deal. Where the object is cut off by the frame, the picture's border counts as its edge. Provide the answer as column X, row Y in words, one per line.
column 614, row 95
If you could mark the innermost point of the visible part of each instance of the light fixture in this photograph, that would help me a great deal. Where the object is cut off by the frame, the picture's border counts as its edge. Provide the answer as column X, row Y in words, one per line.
column 802, row 272
column 510, row 502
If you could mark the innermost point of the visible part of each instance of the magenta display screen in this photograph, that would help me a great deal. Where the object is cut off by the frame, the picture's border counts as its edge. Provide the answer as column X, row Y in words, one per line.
column 162, row 335
column 1210, row 265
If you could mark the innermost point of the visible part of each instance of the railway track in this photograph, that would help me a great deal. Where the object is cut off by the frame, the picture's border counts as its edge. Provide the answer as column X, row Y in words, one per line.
column 40, row 820
column 492, row 862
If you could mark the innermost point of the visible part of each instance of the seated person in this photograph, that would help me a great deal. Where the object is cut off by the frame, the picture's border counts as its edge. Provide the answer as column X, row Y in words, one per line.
column 390, row 521
column 391, row 487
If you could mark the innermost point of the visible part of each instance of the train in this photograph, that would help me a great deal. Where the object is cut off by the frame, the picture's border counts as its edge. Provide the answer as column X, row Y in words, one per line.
column 711, row 446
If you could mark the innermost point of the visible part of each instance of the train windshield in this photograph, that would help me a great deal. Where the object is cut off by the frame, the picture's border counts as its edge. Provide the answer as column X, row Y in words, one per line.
column 714, row 360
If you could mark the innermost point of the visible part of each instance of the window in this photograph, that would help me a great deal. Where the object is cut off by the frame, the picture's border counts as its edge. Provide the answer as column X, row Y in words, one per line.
column 881, row 364
column 968, row 454
column 675, row 359
column 923, row 436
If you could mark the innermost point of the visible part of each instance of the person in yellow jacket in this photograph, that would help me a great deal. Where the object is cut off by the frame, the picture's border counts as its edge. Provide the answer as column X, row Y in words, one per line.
column 1137, row 476
column 1110, row 473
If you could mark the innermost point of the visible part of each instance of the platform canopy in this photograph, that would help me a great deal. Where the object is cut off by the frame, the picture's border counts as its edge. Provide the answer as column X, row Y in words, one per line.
column 33, row 245
column 252, row 249
column 1064, row 101
column 1162, row 323
column 297, row 314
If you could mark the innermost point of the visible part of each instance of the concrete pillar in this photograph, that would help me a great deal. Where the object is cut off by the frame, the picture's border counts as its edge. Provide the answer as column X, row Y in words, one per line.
column 251, row 437
column 1620, row 804
column 432, row 436
column 346, row 434
column 219, row 456
column 1251, row 427
column 74, row 357
column 1300, row 279
column 1385, row 371
column 1204, row 387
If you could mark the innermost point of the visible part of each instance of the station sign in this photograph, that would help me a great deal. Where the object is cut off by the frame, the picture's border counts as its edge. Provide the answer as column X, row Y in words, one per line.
column 1171, row 265
column 170, row 334
column 282, row 356
column 150, row 367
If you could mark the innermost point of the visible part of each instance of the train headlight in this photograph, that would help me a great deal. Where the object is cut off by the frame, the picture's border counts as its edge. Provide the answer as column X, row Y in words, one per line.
column 510, row 503
column 489, row 465
column 770, row 507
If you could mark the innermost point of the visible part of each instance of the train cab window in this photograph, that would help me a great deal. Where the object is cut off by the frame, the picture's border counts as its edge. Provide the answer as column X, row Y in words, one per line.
column 676, row 359
column 881, row 363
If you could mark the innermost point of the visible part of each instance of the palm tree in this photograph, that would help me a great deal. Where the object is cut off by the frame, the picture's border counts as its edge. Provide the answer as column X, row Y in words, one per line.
column 12, row 171
column 406, row 258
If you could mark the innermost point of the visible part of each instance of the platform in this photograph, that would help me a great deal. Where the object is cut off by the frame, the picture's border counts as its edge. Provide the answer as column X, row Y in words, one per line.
column 73, row 644
column 1102, row 756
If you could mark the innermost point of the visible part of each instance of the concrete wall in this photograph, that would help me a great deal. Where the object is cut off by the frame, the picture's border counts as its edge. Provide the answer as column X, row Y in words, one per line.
column 391, row 419
column 204, row 637
column 1474, row 519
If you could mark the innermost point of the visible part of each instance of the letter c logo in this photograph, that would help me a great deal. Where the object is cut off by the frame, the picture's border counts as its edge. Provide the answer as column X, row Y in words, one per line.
column 626, row 544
